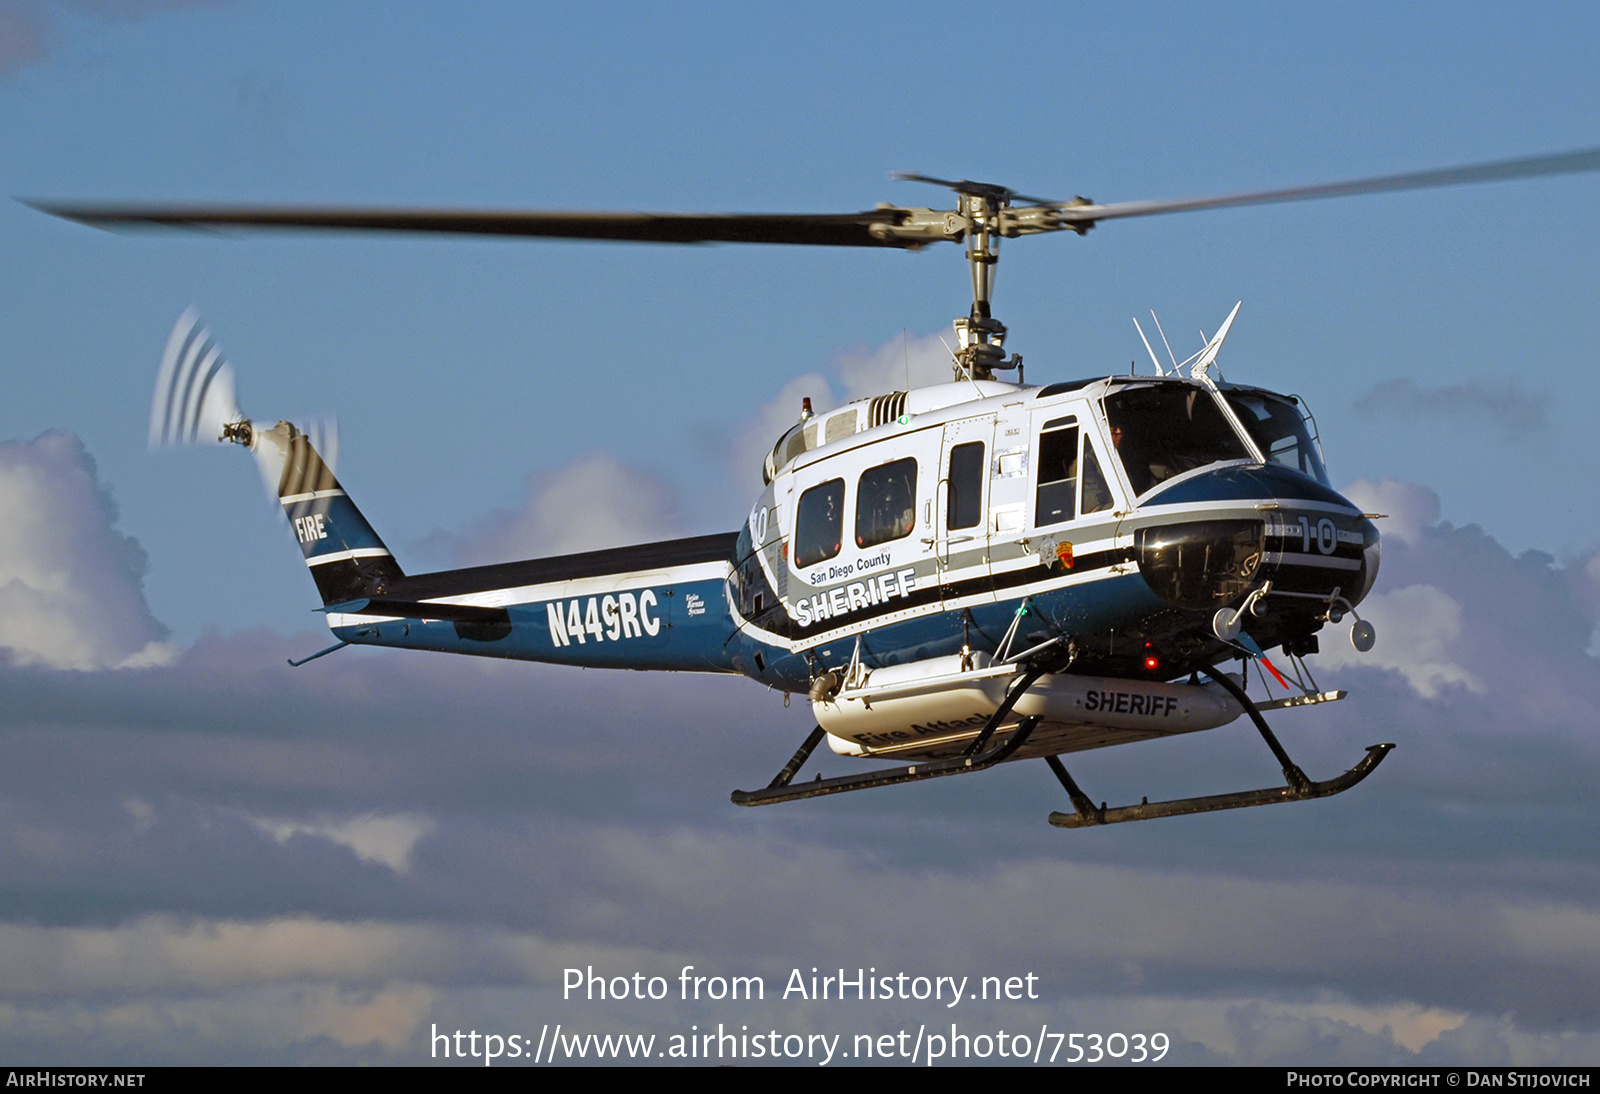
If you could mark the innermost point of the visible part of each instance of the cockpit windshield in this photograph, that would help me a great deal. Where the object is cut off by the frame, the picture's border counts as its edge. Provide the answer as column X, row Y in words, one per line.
column 1279, row 430
column 1164, row 429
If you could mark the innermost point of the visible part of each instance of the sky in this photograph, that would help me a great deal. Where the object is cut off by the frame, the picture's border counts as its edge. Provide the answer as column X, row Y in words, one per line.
column 208, row 856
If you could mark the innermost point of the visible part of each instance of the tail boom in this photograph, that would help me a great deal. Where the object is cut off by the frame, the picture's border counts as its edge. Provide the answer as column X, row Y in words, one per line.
column 653, row 606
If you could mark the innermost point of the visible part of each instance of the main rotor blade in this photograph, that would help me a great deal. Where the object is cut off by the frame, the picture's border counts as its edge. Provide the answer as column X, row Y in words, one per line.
column 826, row 230
column 967, row 186
column 903, row 228
column 1563, row 163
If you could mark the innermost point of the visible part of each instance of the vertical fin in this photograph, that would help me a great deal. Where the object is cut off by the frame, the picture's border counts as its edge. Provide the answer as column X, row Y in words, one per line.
column 346, row 557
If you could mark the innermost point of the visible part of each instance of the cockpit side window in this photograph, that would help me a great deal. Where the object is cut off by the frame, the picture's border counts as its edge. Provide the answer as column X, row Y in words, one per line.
column 1058, row 473
column 1279, row 430
column 819, row 523
column 1162, row 430
column 1096, row 491
column 886, row 503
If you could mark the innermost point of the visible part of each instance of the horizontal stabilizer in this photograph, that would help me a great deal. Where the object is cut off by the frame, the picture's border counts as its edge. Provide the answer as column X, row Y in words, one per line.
column 413, row 609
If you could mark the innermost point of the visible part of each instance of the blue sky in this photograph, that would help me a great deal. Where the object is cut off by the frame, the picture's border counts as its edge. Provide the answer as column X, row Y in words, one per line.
column 504, row 397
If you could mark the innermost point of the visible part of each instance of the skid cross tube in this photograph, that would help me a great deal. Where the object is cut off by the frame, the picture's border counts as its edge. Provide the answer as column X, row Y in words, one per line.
column 798, row 760
column 780, row 791
column 1086, row 815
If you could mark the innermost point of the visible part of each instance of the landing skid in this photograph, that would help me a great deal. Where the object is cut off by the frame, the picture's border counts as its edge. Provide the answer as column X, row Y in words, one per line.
column 1087, row 815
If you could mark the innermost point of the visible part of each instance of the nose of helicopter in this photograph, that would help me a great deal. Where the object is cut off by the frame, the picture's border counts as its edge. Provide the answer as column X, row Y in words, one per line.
column 1214, row 537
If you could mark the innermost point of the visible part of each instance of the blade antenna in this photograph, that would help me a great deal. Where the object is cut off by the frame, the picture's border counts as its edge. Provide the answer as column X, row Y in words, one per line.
column 1209, row 356
column 1154, row 360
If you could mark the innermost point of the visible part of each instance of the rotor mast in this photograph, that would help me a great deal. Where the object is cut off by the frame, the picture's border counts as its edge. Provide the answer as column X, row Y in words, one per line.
column 980, row 337
column 983, row 215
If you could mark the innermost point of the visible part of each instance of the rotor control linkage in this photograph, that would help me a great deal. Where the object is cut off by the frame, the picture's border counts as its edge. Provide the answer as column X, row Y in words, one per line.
column 1087, row 815
column 779, row 789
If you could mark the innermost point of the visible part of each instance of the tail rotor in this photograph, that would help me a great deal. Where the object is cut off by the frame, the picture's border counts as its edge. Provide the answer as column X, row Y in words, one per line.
column 195, row 396
column 196, row 400
column 195, row 403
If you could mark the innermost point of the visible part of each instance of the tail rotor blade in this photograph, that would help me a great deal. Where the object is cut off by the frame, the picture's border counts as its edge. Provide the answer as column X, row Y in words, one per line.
column 323, row 433
column 195, row 394
column 195, row 403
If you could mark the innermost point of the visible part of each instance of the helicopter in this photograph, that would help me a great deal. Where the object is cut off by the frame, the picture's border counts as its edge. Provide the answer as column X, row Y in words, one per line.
column 955, row 576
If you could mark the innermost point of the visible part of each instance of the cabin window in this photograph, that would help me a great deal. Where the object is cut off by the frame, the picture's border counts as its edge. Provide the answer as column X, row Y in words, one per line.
column 1162, row 430
column 964, row 507
column 1279, row 430
column 1058, row 473
column 819, row 523
column 886, row 503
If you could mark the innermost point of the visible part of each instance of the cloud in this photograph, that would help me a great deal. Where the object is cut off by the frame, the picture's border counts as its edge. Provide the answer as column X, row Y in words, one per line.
column 1517, row 415
column 1585, row 571
column 166, row 955
column 390, row 1017
column 864, row 372
column 594, row 503
column 163, row 954
column 1417, row 628
column 71, row 594
column 385, row 840
column 599, row 502
column 23, row 29
column 773, row 419
column 306, row 1023
column 1257, row 969
column 857, row 373
column 1520, row 625
column 28, row 31
column 1409, row 509
column 177, row 879
column 1413, row 1027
